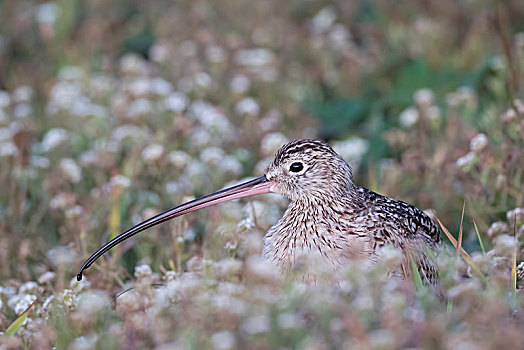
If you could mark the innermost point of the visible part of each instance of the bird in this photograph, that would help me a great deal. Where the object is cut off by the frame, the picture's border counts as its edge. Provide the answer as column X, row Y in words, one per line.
column 328, row 215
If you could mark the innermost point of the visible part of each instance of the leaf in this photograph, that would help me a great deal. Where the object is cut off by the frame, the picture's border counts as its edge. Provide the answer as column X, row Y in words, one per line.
column 16, row 324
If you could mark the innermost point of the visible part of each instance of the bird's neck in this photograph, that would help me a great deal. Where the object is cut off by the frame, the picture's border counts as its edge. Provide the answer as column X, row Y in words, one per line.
column 313, row 224
column 348, row 197
column 324, row 206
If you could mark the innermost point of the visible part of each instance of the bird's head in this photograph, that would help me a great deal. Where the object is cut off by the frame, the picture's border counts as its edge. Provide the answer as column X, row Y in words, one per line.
column 309, row 169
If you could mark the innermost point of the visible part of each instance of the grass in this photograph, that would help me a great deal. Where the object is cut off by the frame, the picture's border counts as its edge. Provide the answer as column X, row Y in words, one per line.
column 110, row 112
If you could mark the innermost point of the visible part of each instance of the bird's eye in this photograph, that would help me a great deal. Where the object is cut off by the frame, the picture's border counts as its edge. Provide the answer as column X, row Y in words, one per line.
column 296, row 167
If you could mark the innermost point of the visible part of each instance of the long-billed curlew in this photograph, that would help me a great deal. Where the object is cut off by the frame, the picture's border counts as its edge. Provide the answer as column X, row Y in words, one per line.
column 328, row 214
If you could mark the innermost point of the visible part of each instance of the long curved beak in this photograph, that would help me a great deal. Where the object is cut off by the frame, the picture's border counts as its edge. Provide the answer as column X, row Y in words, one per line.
column 249, row 188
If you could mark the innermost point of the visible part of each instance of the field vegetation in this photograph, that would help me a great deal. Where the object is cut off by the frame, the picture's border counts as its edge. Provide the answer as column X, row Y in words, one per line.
column 112, row 111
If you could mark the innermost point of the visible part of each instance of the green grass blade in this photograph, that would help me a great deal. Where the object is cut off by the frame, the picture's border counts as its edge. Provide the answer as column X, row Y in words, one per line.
column 419, row 285
column 16, row 324
column 479, row 238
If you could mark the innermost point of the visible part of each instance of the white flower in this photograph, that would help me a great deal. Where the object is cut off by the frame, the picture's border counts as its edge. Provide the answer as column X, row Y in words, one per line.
column 254, row 57
column 28, row 288
column 91, row 303
column 128, row 131
column 246, row 224
column 63, row 95
column 69, row 298
column 240, row 84
column 247, row 106
column 152, row 152
column 101, row 85
column 467, row 94
column 504, row 245
column 212, row 156
column 22, row 111
column 71, row 74
column 5, row 134
column 20, row 303
column 7, row 292
column 267, row 74
column 54, row 138
column 509, row 116
column 261, row 268
column 71, row 170
column 8, row 149
column 515, row 216
column 73, row 212
column 270, row 143
column 223, row 340
column 256, row 324
column 497, row 228
column 203, row 79
column 84, row 342
column 5, row 99
column 120, row 180
column 391, row 256
column 47, row 13
column 231, row 165
column 140, row 87
column 83, row 107
column 170, row 275
column 179, row 159
column 339, row 37
column 352, row 150
column 200, row 138
column 433, row 113
column 46, row 277
column 478, row 143
column 215, row 54
column 323, row 20
column 289, row 321
column 173, row 187
column 61, row 255
column 176, row 102
column 424, row 98
column 519, row 104
column 61, row 201
column 79, row 286
column 133, row 64
column 211, row 119
column 89, row 158
column 466, row 162
column 161, row 87
column 408, row 117
column 142, row 271
column 23, row 94
column 140, row 107
column 159, row 52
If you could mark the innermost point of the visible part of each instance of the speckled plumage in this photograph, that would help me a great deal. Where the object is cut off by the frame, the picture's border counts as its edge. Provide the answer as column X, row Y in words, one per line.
column 332, row 217
column 329, row 216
